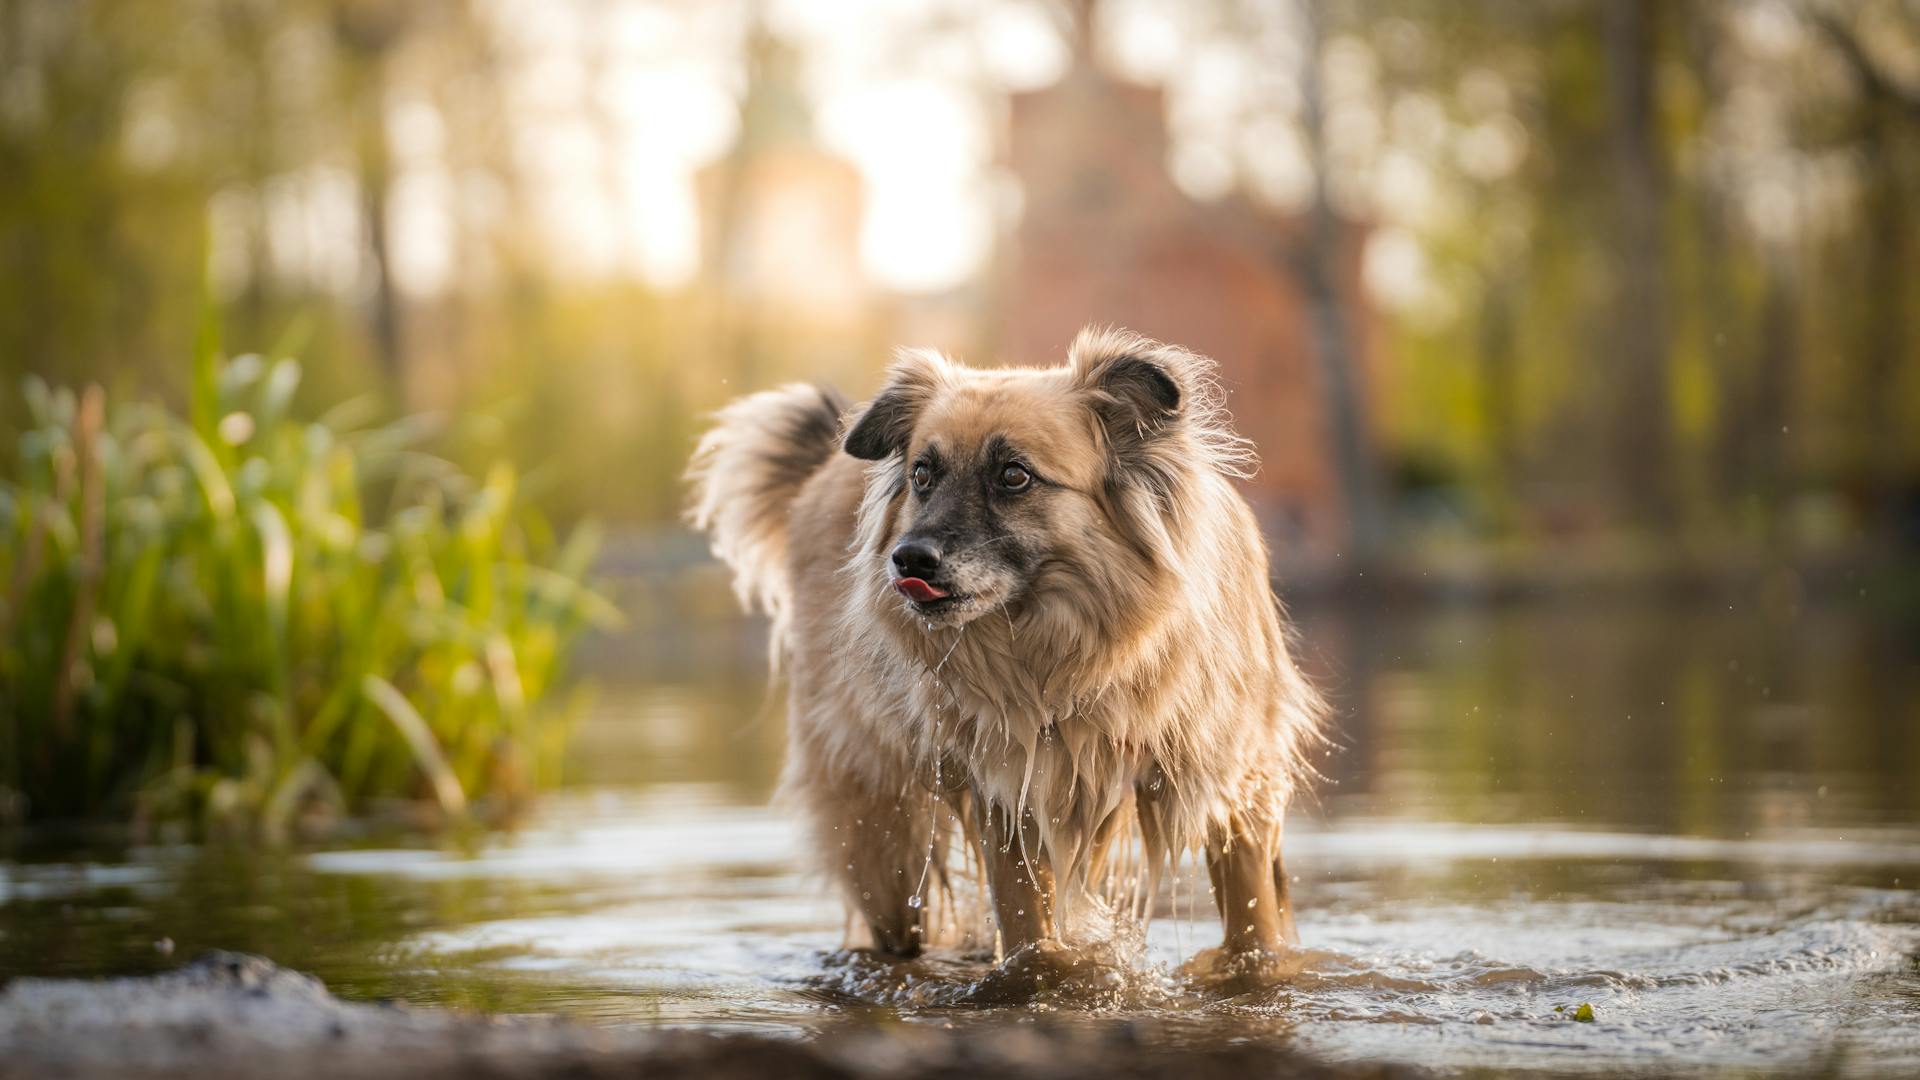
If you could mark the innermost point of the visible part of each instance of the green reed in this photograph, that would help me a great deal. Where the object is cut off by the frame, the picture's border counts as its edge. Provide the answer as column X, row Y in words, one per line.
column 255, row 622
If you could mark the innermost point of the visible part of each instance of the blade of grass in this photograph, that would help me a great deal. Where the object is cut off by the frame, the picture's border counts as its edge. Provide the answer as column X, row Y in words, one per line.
column 419, row 738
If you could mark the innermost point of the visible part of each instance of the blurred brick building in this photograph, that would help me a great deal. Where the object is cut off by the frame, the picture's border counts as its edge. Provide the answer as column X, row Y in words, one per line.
column 1106, row 236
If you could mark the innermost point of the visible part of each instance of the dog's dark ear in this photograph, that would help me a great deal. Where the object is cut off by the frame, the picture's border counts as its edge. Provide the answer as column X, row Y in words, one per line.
column 885, row 426
column 1138, row 388
column 1160, row 407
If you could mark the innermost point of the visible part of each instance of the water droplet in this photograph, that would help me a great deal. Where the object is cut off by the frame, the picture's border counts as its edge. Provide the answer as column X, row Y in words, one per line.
column 914, row 901
column 1252, row 901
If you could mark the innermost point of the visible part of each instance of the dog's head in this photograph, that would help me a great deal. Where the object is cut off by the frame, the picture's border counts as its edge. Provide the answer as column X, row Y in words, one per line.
column 1010, row 487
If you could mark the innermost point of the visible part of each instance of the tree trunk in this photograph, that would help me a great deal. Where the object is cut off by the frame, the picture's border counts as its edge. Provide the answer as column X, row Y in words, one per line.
column 1642, row 428
column 1891, row 105
column 1318, row 267
column 367, row 32
column 1768, row 450
column 1498, row 395
column 376, row 178
column 1726, row 323
column 1885, row 346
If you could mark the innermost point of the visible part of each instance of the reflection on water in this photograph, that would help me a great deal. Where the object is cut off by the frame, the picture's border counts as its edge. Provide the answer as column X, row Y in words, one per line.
column 1703, row 825
column 1699, row 722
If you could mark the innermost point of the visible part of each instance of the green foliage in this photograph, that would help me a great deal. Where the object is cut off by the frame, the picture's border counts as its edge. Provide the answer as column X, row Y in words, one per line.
column 246, row 618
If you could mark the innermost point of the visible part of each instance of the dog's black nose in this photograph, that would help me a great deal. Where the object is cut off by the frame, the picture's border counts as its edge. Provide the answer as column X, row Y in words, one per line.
column 916, row 558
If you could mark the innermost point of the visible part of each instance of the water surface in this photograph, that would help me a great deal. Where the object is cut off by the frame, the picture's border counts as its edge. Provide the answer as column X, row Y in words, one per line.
column 1703, row 825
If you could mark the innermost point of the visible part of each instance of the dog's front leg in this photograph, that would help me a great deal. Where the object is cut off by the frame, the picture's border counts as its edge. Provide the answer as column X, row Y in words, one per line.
column 883, row 859
column 1018, row 874
column 1249, row 886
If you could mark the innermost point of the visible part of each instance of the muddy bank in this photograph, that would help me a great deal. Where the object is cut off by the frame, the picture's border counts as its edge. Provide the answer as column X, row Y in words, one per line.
column 231, row 1014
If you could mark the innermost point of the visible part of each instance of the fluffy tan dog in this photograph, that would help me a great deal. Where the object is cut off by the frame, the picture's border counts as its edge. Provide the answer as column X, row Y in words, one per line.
column 1025, row 610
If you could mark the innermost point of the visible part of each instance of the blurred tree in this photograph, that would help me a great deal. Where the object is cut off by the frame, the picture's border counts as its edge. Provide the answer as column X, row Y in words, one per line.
column 1889, row 110
column 368, row 32
column 1317, row 262
column 1642, row 427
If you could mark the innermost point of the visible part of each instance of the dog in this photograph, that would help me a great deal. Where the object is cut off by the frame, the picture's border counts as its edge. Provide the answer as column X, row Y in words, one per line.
column 1026, row 613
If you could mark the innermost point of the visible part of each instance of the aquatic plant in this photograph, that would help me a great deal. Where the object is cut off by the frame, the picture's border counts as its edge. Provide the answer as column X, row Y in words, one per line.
column 245, row 619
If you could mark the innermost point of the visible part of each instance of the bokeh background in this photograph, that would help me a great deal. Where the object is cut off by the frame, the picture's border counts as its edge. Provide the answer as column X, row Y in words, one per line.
column 1578, row 338
column 1563, row 302
column 1632, row 284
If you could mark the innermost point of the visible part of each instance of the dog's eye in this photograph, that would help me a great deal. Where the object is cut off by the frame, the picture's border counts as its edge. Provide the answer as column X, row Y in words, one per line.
column 922, row 477
column 1015, row 477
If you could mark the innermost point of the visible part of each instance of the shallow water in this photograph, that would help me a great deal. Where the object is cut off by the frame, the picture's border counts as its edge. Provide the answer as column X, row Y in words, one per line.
column 1703, row 826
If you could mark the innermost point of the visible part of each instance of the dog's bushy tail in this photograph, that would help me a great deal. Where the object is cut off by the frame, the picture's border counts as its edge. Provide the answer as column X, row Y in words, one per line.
column 745, row 474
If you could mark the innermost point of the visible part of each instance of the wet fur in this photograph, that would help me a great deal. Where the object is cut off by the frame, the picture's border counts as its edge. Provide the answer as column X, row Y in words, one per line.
column 1122, row 670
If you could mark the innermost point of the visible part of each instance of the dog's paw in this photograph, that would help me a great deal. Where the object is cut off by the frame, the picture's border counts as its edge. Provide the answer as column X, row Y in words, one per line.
column 1050, row 972
column 1224, row 972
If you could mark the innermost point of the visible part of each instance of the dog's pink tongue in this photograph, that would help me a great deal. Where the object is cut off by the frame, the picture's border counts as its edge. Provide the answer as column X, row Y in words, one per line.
column 915, row 589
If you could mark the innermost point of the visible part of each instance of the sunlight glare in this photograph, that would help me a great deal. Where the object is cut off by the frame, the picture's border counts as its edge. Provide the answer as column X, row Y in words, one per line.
column 921, row 146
